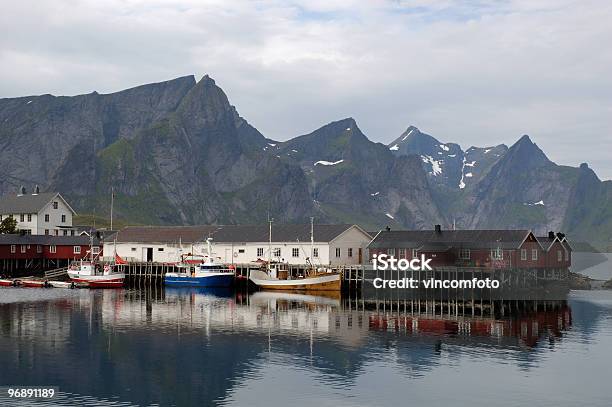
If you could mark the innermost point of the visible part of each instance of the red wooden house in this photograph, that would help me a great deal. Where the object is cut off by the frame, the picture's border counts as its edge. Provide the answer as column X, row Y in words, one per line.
column 30, row 253
column 495, row 249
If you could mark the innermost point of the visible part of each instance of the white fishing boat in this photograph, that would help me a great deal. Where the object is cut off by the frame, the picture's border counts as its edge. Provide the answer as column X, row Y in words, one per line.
column 95, row 274
column 276, row 275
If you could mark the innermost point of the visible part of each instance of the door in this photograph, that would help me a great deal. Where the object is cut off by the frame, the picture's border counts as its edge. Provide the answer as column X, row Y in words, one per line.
column 149, row 254
column 360, row 254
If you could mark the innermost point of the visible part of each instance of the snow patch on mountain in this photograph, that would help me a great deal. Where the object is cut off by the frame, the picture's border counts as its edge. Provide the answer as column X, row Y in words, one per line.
column 444, row 147
column 389, row 216
column 436, row 165
column 394, row 148
column 406, row 136
column 328, row 162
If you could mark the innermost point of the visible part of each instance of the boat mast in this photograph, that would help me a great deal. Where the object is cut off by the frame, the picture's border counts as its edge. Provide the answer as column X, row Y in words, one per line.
column 209, row 246
column 311, row 238
column 270, row 242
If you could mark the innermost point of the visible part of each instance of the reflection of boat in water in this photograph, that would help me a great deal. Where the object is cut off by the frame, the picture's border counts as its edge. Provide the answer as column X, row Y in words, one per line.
column 322, row 298
column 220, row 292
column 205, row 274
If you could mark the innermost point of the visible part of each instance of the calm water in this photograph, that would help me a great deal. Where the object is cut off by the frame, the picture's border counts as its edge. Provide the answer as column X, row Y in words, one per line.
column 188, row 347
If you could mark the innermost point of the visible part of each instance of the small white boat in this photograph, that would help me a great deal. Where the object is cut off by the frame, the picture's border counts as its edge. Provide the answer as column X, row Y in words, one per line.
column 62, row 284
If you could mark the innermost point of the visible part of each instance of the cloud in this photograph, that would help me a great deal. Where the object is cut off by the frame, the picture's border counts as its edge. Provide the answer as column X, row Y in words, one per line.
column 473, row 72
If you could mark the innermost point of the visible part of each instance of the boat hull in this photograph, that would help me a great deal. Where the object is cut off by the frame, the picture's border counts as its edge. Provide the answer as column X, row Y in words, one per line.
column 7, row 283
column 325, row 282
column 224, row 280
column 32, row 283
column 98, row 281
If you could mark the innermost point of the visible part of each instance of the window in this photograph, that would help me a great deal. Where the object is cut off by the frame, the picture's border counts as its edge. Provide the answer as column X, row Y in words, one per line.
column 29, row 217
column 260, row 251
column 240, row 250
column 534, row 254
column 76, row 249
column 38, row 249
column 559, row 255
column 315, row 252
column 276, row 252
column 295, row 252
column 55, row 204
column 52, row 249
column 391, row 252
column 133, row 249
column 72, row 233
column 46, row 231
column 13, row 248
column 63, row 218
column 337, row 252
column 23, row 248
column 464, row 254
column 159, row 249
column 56, row 232
column 523, row 254
column 497, row 254
column 65, row 232
column 415, row 253
column 96, row 250
column 402, row 253
column 46, row 217
column 21, row 217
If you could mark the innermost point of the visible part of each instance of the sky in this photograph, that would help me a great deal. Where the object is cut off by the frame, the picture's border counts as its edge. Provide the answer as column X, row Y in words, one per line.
column 471, row 72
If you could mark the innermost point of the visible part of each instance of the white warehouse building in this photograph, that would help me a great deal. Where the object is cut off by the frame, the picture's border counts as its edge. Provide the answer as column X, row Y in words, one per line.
column 332, row 245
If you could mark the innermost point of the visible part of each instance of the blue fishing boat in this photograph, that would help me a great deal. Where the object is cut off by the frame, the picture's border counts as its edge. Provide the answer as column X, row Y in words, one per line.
column 207, row 273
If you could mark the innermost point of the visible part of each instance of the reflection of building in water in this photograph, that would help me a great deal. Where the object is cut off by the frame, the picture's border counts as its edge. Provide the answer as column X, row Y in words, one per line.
column 282, row 313
column 327, row 317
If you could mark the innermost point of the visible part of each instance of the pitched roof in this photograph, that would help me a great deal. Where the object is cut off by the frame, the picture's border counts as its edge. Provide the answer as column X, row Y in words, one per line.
column 28, row 203
column 45, row 240
column 228, row 233
column 430, row 239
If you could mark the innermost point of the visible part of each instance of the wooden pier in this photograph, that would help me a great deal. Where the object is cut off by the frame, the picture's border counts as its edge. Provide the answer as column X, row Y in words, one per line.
column 153, row 273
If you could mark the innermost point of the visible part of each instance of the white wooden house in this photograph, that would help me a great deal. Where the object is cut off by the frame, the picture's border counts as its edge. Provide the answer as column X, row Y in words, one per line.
column 46, row 213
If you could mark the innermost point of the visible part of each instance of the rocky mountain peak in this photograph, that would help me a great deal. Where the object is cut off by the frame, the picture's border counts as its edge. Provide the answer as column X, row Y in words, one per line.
column 527, row 154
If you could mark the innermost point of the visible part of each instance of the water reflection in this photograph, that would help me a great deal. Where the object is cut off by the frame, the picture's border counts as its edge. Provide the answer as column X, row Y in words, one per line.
column 197, row 346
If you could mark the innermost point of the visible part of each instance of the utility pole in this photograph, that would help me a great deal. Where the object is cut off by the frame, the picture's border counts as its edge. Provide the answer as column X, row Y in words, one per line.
column 111, row 209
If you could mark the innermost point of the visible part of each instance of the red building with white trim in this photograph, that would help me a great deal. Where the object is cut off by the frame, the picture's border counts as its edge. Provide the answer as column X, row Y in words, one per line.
column 28, row 254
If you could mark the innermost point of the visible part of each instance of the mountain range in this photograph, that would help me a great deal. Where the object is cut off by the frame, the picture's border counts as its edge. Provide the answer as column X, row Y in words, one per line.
column 177, row 152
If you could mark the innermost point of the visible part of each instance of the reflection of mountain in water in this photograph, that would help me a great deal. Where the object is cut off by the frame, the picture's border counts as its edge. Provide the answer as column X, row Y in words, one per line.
column 190, row 347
